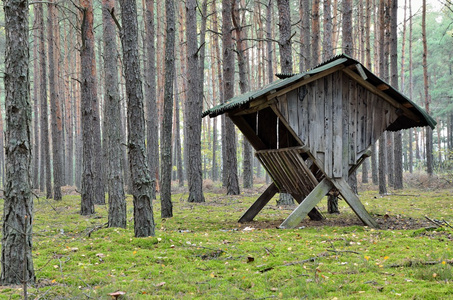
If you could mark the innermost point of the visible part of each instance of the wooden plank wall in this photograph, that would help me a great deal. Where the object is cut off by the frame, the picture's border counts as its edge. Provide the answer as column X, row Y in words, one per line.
column 337, row 119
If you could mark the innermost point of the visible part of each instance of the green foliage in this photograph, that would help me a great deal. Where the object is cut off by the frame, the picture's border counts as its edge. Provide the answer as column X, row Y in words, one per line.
column 203, row 253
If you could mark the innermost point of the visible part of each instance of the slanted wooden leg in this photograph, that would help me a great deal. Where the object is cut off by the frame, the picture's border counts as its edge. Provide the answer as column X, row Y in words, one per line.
column 259, row 204
column 307, row 204
column 313, row 214
column 354, row 202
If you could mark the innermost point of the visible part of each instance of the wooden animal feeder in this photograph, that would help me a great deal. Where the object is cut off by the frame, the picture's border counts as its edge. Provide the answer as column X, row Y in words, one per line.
column 312, row 130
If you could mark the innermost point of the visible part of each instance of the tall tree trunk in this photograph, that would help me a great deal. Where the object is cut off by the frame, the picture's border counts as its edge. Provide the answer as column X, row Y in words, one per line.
column 411, row 90
column 228, row 90
column 383, row 138
column 141, row 181
column 315, row 32
column 55, row 104
column 166, row 136
column 286, row 60
column 152, row 127
column 17, row 227
column 270, row 67
column 178, row 147
column 397, row 137
column 327, row 42
column 45, row 176
column 193, row 108
column 88, row 84
column 116, row 196
column 241, row 46
column 429, row 131
column 36, row 139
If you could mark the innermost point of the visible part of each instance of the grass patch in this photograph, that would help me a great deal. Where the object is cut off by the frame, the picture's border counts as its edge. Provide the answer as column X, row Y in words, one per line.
column 204, row 253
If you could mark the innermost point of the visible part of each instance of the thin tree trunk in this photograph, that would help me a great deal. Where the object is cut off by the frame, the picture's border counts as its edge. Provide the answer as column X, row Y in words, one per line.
column 116, row 196
column 17, row 227
column 397, row 138
column 55, row 105
column 241, row 46
column 315, row 32
column 429, row 131
column 166, row 136
column 152, row 127
column 228, row 90
column 36, row 138
column 45, row 176
column 286, row 61
column 383, row 138
column 88, row 82
column 327, row 42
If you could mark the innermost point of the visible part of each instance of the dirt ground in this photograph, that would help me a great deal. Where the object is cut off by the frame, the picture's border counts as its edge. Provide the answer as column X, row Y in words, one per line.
column 385, row 222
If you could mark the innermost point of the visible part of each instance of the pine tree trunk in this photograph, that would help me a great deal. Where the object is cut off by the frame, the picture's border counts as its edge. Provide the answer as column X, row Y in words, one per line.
column 166, row 136
column 88, row 81
column 193, row 108
column 429, row 131
column 286, row 61
column 36, row 138
column 327, row 42
column 241, row 46
column 228, row 90
column 55, row 104
column 116, row 196
column 17, row 228
column 152, row 127
column 315, row 32
column 141, row 181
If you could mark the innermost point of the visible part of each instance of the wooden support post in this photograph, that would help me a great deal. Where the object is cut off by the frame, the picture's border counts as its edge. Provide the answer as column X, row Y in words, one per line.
column 259, row 204
column 354, row 202
column 307, row 204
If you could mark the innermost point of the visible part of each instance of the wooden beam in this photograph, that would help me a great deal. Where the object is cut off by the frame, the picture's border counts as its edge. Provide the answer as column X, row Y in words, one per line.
column 248, row 132
column 381, row 94
column 354, row 202
column 259, row 204
column 306, row 81
column 361, row 71
column 307, row 204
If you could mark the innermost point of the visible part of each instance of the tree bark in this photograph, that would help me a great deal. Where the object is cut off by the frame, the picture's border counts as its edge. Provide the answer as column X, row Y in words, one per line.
column 397, row 137
column 305, row 48
column 55, row 105
column 193, row 108
column 429, row 131
column 286, row 61
column 45, row 176
column 315, row 32
column 241, row 47
column 141, row 182
column 327, row 43
column 88, row 82
column 228, row 90
column 152, row 127
column 36, row 138
column 17, row 227
column 166, row 136
column 116, row 196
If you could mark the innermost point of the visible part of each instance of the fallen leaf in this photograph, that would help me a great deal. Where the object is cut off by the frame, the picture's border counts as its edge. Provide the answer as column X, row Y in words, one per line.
column 250, row 259
column 160, row 284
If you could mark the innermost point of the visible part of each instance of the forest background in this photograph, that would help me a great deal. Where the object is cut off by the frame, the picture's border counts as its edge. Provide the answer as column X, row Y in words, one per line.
column 188, row 53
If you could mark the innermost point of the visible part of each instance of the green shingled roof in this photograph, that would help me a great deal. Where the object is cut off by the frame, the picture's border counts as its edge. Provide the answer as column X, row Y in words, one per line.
column 401, row 123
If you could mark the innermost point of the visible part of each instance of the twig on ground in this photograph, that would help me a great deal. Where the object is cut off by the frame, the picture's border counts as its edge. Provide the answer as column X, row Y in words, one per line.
column 343, row 251
column 96, row 228
column 300, row 262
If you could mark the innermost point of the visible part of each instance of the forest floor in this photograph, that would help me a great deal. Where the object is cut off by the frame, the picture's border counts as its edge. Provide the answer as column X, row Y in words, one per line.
column 202, row 252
